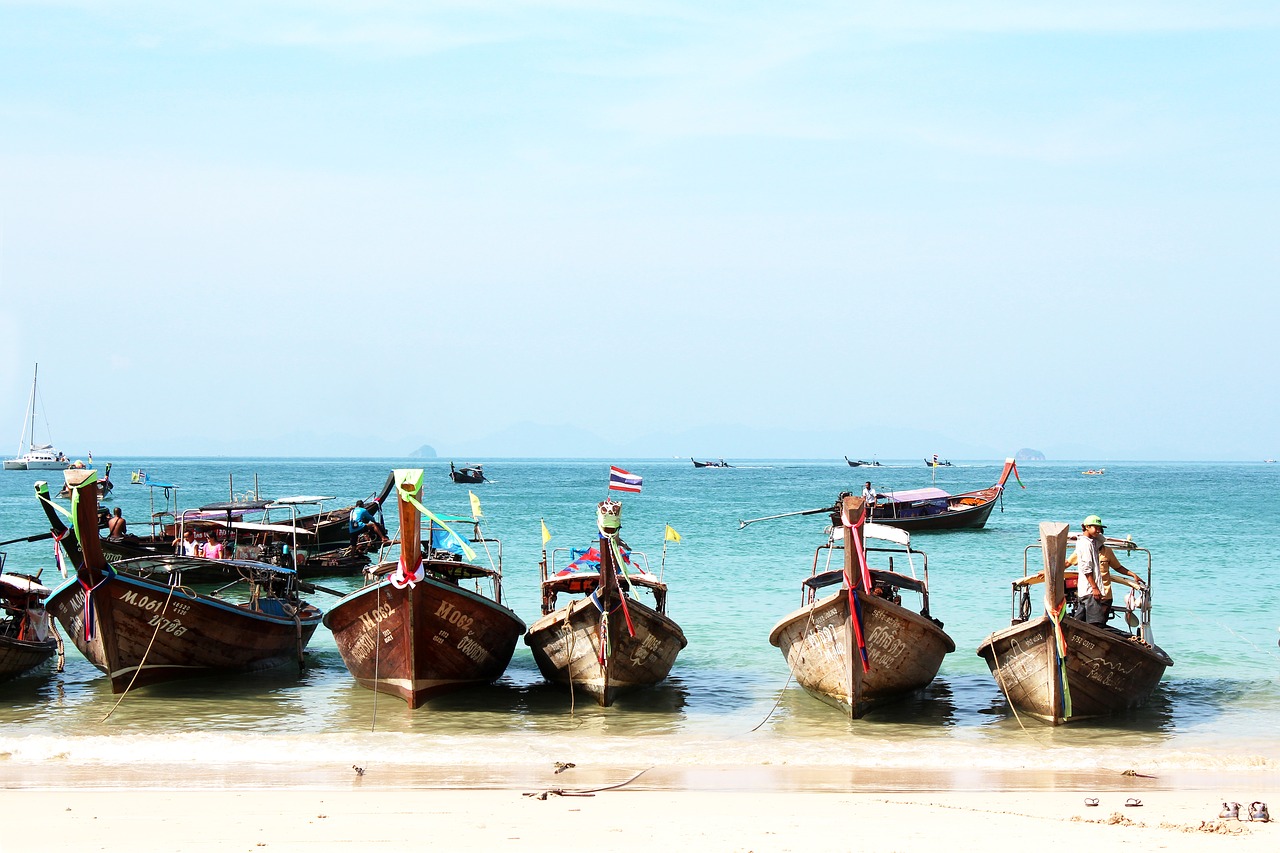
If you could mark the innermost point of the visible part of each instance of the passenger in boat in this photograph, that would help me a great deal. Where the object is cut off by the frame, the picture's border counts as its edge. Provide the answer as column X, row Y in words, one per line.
column 213, row 549
column 1087, row 558
column 187, row 546
column 117, row 526
column 869, row 496
column 362, row 521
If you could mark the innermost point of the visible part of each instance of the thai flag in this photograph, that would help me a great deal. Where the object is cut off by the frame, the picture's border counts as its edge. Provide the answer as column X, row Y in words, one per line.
column 624, row 481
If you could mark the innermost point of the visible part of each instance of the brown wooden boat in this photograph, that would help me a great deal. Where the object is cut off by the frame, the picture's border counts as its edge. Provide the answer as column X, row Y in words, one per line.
column 143, row 629
column 607, row 642
column 859, row 647
column 1059, row 669
column 27, row 634
column 467, row 474
column 415, row 632
column 934, row 509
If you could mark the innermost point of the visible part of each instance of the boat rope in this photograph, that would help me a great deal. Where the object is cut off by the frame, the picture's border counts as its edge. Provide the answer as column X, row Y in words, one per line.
column 1004, row 686
column 377, row 657
column 143, row 661
column 62, row 652
column 586, row 792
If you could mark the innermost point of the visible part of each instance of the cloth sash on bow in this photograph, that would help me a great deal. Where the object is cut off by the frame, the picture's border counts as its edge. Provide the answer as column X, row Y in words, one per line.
column 401, row 578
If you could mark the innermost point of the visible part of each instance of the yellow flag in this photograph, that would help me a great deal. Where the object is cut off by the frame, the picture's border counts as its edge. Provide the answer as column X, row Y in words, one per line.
column 546, row 534
column 671, row 535
column 475, row 505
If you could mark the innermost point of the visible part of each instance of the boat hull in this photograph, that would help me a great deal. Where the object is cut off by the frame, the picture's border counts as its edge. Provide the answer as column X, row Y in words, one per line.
column 142, row 635
column 905, row 651
column 422, row 641
column 967, row 511
column 1107, row 671
column 567, row 644
column 15, row 465
column 19, row 656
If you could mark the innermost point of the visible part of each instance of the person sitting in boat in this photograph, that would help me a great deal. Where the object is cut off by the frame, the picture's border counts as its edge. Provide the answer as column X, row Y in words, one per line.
column 116, row 525
column 187, row 546
column 1108, row 562
column 362, row 521
column 213, row 549
column 869, row 496
column 1087, row 557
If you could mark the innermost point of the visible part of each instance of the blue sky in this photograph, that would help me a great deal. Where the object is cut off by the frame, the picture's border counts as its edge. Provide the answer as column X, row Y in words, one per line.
column 882, row 228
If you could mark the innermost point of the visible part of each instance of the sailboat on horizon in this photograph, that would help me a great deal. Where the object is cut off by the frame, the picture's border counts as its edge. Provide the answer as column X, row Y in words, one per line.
column 38, row 457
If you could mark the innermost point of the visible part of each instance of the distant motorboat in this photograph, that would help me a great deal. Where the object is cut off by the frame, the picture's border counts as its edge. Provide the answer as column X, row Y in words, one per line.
column 1094, row 471
column 935, row 462
column 38, row 457
column 861, row 463
column 709, row 463
column 468, row 474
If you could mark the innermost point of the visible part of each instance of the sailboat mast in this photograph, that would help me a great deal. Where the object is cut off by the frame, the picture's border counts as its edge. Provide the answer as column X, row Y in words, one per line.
column 31, row 439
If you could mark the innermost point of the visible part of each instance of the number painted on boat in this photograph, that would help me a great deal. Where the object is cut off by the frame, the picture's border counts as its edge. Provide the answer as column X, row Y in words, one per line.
column 143, row 601
column 454, row 616
column 648, row 648
column 373, row 618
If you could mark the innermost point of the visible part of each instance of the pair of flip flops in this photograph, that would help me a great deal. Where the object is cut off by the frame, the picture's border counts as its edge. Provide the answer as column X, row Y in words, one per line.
column 1257, row 811
column 1132, row 802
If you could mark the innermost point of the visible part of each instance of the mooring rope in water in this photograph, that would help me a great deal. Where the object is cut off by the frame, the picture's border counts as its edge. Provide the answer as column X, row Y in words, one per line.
column 141, row 663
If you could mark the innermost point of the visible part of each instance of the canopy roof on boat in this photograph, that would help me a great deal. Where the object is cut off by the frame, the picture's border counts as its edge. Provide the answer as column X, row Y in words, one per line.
column 294, row 500
column 182, row 563
column 884, row 532
column 22, row 586
column 929, row 493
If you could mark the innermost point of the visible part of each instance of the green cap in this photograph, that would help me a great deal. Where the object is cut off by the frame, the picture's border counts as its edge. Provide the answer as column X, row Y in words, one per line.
column 1094, row 521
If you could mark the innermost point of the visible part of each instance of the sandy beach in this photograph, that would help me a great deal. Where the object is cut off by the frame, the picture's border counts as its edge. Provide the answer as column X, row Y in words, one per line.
column 732, row 809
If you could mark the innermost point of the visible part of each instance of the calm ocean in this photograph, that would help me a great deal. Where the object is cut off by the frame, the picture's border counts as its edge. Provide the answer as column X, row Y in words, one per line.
column 1210, row 527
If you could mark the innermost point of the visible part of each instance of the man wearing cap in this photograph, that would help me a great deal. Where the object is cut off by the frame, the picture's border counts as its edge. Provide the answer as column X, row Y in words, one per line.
column 1090, row 608
column 1108, row 563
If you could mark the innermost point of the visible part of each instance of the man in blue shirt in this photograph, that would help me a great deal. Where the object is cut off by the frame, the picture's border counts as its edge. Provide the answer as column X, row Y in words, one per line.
column 362, row 521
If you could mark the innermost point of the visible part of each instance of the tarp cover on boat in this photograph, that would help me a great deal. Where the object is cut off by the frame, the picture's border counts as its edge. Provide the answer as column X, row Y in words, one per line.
column 925, row 494
column 587, row 562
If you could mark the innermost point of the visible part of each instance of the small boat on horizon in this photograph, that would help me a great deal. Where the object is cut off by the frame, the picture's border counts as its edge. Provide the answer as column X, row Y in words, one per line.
column 37, row 457
column 709, row 464
column 467, row 474
column 1060, row 669
column 606, row 642
column 858, row 647
column 1093, row 472
column 937, row 463
column 861, row 463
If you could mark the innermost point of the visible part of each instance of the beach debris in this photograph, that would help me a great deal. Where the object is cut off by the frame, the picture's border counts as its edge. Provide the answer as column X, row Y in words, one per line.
column 1118, row 819
column 559, row 792
column 1214, row 827
column 359, row 770
column 1136, row 773
column 1090, row 801
column 1258, row 812
column 562, row 766
column 1230, row 811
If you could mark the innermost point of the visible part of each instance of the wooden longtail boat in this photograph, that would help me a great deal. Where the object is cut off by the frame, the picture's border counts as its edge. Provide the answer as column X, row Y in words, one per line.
column 935, row 462
column 606, row 642
column 469, row 474
column 141, row 627
column 934, row 509
column 414, row 632
column 859, row 647
column 27, row 635
column 1059, row 669
column 861, row 463
column 709, row 464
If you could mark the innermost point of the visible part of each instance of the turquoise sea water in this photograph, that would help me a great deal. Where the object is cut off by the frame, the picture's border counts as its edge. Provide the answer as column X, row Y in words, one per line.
column 1210, row 526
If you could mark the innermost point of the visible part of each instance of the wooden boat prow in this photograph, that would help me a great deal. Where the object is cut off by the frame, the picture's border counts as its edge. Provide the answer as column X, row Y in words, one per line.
column 140, row 630
column 414, row 632
column 607, row 642
column 824, row 641
column 1058, row 669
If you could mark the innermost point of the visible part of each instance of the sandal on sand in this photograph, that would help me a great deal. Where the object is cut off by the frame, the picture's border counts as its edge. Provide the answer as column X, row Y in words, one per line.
column 1258, row 811
column 1090, row 801
column 1133, row 802
column 1230, row 811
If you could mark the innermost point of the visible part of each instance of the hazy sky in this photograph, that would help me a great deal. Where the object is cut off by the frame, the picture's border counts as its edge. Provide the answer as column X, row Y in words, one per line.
column 357, row 227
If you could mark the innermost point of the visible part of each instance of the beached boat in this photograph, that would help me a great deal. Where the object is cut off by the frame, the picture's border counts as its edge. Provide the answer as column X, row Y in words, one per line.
column 1059, row 669
column 934, row 509
column 27, row 634
column 468, row 474
column 414, row 631
column 859, row 647
column 709, row 464
column 861, row 463
column 37, row 457
column 606, row 642
column 136, row 622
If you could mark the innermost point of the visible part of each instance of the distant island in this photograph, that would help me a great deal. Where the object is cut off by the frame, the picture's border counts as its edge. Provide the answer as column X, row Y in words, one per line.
column 1026, row 454
column 425, row 450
